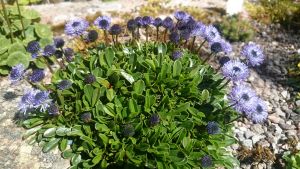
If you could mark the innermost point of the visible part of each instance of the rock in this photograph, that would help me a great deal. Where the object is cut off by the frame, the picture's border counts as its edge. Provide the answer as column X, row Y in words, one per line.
column 257, row 128
column 279, row 112
column 291, row 133
column 298, row 103
column 275, row 118
column 284, row 94
column 261, row 166
column 247, row 143
column 249, row 134
column 256, row 138
column 286, row 126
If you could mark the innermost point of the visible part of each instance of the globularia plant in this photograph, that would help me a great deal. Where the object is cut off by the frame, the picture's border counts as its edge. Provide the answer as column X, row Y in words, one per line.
column 135, row 104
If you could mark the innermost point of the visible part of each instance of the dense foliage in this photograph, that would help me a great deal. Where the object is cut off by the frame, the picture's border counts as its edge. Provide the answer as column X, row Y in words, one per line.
column 148, row 102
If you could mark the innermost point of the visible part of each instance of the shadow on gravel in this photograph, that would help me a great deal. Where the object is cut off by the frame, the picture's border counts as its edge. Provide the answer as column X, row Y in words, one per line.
column 19, row 118
column 8, row 96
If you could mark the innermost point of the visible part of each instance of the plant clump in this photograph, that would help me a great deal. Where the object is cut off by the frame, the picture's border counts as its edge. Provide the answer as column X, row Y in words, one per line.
column 133, row 103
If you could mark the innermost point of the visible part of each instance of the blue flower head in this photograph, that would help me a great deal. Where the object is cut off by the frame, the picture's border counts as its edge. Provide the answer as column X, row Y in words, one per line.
column 59, row 42
column 69, row 54
column 147, row 21
column 176, row 55
column 64, row 84
column 181, row 15
column 131, row 25
column 86, row 117
column 174, row 37
column 154, row 120
column 211, row 33
column 224, row 60
column 139, row 21
column 41, row 100
column 206, row 161
column 115, row 29
column 49, row 50
column 157, row 22
column 76, row 27
column 33, row 47
column 213, row 127
column 103, row 22
column 37, row 75
column 26, row 103
column 235, row 71
column 17, row 73
column 128, row 130
column 34, row 100
column 89, row 79
column 242, row 96
column 197, row 29
column 220, row 45
column 259, row 111
column 185, row 34
column 168, row 23
column 253, row 53
column 53, row 109
column 92, row 36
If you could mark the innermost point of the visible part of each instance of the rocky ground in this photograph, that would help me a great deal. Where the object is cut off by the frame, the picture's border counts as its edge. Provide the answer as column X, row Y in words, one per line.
column 269, row 80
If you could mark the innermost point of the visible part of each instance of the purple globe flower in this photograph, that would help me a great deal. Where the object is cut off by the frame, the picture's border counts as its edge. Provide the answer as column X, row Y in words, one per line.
column 213, row 127
column 154, row 120
column 128, row 130
column 89, row 79
column 17, row 73
column 59, row 42
column 49, row 50
column 33, row 47
column 197, row 29
column 220, row 46
column 26, row 103
column 157, row 22
column 86, row 117
column 185, row 34
column 37, row 75
column 224, row 60
column 115, row 29
column 174, row 37
column 53, row 109
column 181, row 15
column 76, row 27
column 41, row 100
column 211, row 33
column 64, row 84
column 253, row 53
column 139, row 21
column 131, row 25
column 176, row 55
column 103, row 22
column 147, row 20
column 241, row 97
column 259, row 111
column 235, row 71
column 206, row 161
column 92, row 36
column 69, row 54
column 168, row 23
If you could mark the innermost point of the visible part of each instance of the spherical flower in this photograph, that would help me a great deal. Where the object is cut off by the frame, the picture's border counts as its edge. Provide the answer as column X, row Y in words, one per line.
column 154, row 120
column 128, row 130
column 76, row 27
column 253, row 53
column 235, row 70
column 69, row 54
column 211, row 33
column 176, row 55
column 180, row 25
column 58, row 54
column 241, row 97
column 185, row 34
column 259, row 111
column 103, row 22
column 197, row 28
column 224, row 60
column 59, row 42
column 147, row 20
column 115, row 29
column 86, row 117
column 168, row 23
column 89, row 79
column 49, row 50
column 33, row 47
column 174, row 37
column 92, row 36
column 157, row 22
column 213, row 127
column 64, row 84
column 26, row 103
column 42, row 100
column 17, row 73
column 37, row 75
column 220, row 46
column 131, row 25
column 206, row 161
column 53, row 109
column 181, row 15
column 139, row 21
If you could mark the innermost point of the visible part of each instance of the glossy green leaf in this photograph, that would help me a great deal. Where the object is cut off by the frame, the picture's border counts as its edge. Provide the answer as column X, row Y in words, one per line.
column 50, row 132
column 177, row 66
column 51, row 145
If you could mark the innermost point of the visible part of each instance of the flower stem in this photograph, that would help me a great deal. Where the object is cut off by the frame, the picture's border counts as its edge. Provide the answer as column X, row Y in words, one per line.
column 239, row 116
column 7, row 21
column 193, row 43
column 226, row 83
column 207, row 58
column 146, row 33
column 157, row 31
column 165, row 35
column 21, row 19
column 49, row 67
column 198, row 50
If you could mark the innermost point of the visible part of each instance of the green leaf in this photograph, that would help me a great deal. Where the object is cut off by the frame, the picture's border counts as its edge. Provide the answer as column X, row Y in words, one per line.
column 50, row 132
column 97, row 159
column 104, row 139
column 205, row 95
column 177, row 68
column 88, row 93
column 31, row 14
column 51, row 145
column 18, row 57
column 101, row 127
column 31, row 132
column 63, row 144
column 127, row 76
column 139, row 87
column 62, row 131
column 110, row 94
column 43, row 31
column 109, row 56
column 16, row 47
column 133, row 108
column 76, row 159
column 96, row 96
column 67, row 153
